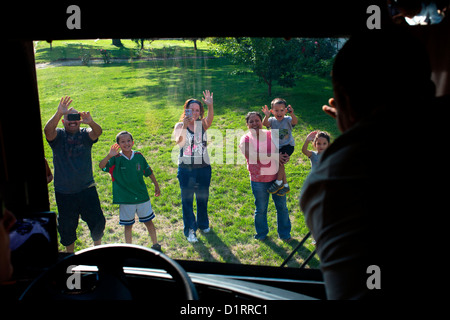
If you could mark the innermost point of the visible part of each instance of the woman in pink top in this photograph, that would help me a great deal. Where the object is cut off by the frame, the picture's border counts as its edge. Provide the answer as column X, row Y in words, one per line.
column 262, row 163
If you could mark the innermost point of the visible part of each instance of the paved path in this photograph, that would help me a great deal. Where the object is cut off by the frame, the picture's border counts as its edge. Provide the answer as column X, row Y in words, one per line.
column 77, row 62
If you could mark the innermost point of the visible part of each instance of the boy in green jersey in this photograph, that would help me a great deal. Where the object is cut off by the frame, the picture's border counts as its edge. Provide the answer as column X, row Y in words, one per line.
column 127, row 169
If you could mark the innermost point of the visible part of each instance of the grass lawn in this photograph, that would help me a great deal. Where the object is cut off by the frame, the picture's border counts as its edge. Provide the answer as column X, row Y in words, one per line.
column 146, row 98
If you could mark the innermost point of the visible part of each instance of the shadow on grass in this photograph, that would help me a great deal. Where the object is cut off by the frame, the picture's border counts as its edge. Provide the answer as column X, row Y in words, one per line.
column 284, row 253
column 219, row 246
column 75, row 50
column 228, row 257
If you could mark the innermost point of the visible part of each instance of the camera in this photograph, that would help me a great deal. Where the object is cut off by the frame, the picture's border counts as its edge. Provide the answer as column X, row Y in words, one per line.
column 73, row 117
column 188, row 113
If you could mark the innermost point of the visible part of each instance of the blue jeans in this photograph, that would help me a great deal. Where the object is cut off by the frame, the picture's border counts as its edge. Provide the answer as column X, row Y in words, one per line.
column 261, row 195
column 194, row 181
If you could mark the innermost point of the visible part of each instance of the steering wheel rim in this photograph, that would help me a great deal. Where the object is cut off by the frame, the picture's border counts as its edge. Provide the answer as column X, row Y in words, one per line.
column 109, row 259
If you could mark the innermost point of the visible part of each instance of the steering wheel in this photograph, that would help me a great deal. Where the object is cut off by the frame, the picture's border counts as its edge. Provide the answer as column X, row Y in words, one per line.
column 110, row 283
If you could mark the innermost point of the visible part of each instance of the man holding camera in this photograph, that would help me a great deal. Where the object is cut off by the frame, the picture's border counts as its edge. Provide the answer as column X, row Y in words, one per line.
column 75, row 191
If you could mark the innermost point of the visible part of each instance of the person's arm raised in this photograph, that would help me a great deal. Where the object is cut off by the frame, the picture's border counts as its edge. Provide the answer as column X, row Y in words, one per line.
column 209, row 101
column 50, row 127
column 96, row 129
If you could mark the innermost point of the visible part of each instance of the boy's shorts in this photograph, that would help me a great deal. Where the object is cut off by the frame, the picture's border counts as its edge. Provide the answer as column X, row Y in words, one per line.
column 287, row 149
column 128, row 211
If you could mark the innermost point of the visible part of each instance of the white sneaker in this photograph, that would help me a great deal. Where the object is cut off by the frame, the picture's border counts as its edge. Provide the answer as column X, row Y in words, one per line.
column 206, row 230
column 192, row 237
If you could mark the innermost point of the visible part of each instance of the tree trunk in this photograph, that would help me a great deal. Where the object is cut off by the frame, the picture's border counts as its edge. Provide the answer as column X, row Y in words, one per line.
column 268, row 82
column 117, row 43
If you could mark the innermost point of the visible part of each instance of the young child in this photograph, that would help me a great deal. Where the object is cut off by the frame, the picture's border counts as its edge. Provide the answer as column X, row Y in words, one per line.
column 321, row 141
column 127, row 170
column 286, row 141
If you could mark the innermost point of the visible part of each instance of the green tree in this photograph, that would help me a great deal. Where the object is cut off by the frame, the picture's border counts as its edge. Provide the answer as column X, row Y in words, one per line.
column 194, row 40
column 140, row 42
column 271, row 59
column 317, row 55
column 275, row 59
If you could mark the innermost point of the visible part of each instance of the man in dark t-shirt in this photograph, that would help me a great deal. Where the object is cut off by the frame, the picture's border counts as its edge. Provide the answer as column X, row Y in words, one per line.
column 75, row 190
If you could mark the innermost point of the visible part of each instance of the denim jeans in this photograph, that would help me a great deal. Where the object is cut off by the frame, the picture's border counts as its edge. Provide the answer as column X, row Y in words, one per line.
column 194, row 181
column 261, row 195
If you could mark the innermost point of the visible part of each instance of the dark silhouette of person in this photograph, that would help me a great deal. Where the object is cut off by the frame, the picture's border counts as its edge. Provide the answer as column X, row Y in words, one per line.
column 366, row 202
